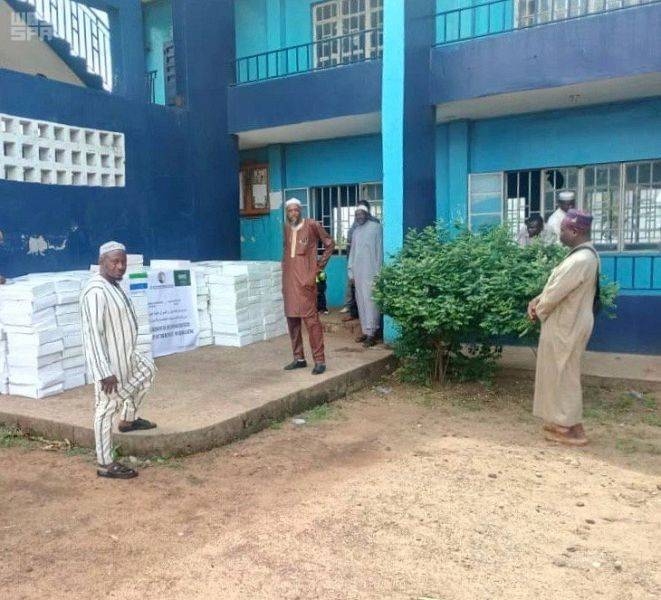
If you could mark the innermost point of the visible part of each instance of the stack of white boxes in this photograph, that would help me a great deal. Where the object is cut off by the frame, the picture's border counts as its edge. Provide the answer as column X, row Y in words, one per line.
column 34, row 342
column 275, row 322
column 204, row 315
column 68, row 317
column 245, row 301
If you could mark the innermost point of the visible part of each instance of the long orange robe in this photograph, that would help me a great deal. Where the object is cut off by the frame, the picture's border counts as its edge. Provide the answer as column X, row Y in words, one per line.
column 300, row 265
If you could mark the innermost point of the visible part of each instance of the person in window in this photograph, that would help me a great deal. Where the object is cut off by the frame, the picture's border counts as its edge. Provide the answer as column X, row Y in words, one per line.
column 365, row 262
column 300, row 267
column 350, row 305
column 566, row 201
column 533, row 228
column 566, row 310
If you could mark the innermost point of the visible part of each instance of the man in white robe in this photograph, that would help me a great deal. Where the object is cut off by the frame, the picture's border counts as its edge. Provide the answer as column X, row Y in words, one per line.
column 566, row 201
column 121, row 374
column 365, row 262
column 565, row 309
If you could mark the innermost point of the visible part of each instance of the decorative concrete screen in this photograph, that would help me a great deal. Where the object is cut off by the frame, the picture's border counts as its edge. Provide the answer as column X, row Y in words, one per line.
column 35, row 151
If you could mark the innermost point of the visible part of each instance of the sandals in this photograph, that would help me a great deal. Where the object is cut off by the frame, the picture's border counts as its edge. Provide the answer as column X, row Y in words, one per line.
column 137, row 425
column 116, row 471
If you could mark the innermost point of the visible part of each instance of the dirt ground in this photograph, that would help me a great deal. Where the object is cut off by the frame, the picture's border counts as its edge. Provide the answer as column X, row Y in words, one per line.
column 394, row 493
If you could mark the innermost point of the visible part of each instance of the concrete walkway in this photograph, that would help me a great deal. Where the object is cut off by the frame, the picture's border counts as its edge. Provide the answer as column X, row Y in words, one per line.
column 210, row 396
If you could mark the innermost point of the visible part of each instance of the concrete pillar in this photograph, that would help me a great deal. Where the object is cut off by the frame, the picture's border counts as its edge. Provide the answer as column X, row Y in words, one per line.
column 204, row 54
column 408, row 123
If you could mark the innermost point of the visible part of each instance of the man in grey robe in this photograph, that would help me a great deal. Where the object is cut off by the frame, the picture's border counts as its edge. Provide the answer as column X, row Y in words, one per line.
column 565, row 309
column 365, row 262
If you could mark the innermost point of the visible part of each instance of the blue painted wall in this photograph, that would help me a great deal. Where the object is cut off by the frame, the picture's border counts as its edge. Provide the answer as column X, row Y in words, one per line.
column 304, row 165
column 158, row 30
column 263, row 25
column 181, row 194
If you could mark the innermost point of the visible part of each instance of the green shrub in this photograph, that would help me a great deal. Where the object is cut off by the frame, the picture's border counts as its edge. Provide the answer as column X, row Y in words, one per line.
column 454, row 298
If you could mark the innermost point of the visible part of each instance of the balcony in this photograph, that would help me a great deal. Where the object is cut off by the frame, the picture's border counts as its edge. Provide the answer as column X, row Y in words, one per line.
column 501, row 16
column 335, row 82
column 495, row 59
column 356, row 47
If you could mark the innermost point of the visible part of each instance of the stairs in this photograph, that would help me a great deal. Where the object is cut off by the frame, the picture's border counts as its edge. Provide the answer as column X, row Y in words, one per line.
column 79, row 37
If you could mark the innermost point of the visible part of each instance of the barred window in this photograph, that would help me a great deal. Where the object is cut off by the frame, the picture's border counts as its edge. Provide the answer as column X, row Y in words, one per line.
column 347, row 31
column 641, row 212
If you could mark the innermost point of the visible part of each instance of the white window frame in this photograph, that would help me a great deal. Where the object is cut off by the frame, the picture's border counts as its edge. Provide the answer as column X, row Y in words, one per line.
column 528, row 13
column 349, row 49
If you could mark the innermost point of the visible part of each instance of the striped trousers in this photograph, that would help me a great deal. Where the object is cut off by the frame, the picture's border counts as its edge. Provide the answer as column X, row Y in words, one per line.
column 126, row 400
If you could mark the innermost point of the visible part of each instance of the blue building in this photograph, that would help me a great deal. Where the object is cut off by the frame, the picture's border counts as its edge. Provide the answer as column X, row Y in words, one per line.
column 453, row 109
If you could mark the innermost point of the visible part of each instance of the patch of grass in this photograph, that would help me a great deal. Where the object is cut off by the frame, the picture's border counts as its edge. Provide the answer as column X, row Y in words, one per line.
column 322, row 412
column 468, row 403
column 276, row 424
column 636, row 446
column 78, row 451
column 12, row 437
column 654, row 420
column 604, row 404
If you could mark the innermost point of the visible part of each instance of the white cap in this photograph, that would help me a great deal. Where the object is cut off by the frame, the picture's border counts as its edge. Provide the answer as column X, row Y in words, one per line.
column 110, row 247
column 292, row 202
column 566, row 196
column 362, row 208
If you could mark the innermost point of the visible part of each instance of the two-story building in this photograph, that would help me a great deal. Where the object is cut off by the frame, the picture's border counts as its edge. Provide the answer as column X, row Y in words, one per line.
column 221, row 110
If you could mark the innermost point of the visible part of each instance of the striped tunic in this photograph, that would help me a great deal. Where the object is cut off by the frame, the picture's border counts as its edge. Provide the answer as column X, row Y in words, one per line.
column 110, row 333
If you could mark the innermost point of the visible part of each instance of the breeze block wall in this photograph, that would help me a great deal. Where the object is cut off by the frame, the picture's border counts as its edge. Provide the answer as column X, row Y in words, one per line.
column 36, row 151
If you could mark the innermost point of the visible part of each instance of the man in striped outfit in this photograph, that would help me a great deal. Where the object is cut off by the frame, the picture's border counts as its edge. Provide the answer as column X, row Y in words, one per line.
column 121, row 374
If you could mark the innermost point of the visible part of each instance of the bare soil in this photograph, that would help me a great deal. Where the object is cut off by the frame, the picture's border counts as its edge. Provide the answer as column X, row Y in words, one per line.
column 395, row 493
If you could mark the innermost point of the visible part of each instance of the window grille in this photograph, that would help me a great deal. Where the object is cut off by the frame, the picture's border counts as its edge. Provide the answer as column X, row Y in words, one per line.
column 601, row 197
column 641, row 209
column 554, row 182
column 535, row 12
column 336, row 18
column 623, row 198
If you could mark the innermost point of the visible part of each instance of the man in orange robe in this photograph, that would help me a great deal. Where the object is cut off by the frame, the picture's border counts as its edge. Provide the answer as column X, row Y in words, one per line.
column 300, row 266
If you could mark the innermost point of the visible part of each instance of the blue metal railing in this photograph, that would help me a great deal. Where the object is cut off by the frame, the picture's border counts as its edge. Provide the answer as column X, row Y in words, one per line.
column 500, row 16
column 86, row 30
column 355, row 47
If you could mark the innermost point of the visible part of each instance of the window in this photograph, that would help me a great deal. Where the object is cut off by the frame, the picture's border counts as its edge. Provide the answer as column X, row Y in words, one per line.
column 641, row 209
column 254, row 190
column 333, row 206
column 347, row 31
column 624, row 199
column 535, row 12
column 601, row 197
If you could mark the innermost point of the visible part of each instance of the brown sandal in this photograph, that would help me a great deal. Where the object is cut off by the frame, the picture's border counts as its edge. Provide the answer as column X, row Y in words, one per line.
column 116, row 471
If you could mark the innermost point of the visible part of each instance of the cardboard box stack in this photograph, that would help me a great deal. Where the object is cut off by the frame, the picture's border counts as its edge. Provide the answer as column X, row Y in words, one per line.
column 245, row 301
column 34, row 342
column 203, row 311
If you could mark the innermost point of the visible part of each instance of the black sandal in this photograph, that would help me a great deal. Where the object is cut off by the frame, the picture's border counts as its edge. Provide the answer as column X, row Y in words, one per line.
column 137, row 425
column 117, row 471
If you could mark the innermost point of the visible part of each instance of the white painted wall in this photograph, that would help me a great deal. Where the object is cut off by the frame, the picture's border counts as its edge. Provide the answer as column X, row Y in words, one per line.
column 33, row 56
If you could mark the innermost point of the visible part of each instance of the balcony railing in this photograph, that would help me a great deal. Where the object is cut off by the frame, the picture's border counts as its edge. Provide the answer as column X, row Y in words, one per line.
column 351, row 48
column 86, row 30
column 501, row 16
